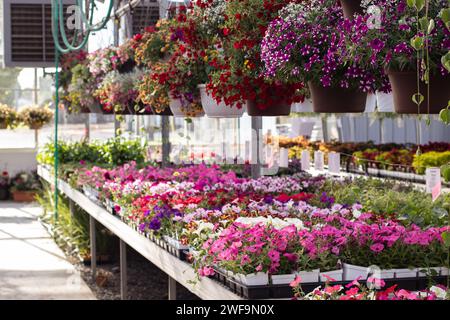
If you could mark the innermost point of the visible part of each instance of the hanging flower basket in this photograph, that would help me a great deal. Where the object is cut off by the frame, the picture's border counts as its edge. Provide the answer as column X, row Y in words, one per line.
column 404, row 86
column 36, row 126
column 166, row 112
column 351, row 7
column 141, row 109
column 279, row 109
column 194, row 110
column 217, row 110
column 337, row 100
column 96, row 108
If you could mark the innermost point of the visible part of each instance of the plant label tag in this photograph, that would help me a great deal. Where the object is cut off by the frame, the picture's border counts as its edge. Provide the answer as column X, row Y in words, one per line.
column 305, row 160
column 432, row 178
column 318, row 160
column 436, row 192
column 334, row 162
column 284, row 157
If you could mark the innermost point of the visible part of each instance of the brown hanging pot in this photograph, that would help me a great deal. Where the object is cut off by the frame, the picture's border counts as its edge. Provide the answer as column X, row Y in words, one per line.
column 404, row 86
column 127, row 66
column 278, row 106
column 351, row 7
column 337, row 100
column 166, row 112
column 277, row 109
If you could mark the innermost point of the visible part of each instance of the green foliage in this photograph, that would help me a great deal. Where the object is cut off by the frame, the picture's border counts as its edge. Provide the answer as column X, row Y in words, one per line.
column 115, row 151
column 389, row 198
column 71, row 232
column 430, row 159
column 8, row 82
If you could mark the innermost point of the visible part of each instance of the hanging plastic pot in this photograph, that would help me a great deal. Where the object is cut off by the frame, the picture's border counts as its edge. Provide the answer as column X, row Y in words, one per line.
column 276, row 109
column 351, row 7
column 385, row 102
column 217, row 110
column 127, row 66
column 192, row 111
column 140, row 109
column 404, row 86
column 305, row 106
column 166, row 112
column 337, row 100
column 371, row 102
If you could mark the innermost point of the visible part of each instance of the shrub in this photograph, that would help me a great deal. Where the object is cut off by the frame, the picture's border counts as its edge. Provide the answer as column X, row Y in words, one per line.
column 430, row 159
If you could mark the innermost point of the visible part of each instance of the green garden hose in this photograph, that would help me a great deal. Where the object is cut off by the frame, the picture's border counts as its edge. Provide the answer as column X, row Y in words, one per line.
column 58, row 29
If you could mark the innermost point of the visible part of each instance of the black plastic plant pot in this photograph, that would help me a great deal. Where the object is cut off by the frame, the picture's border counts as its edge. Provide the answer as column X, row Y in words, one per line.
column 127, row 66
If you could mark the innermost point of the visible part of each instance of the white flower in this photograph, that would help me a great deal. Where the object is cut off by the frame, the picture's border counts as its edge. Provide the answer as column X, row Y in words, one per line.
column 203, row 226
column 356, row 213
column 439, row 292
column 296, row 222
column 251, row 221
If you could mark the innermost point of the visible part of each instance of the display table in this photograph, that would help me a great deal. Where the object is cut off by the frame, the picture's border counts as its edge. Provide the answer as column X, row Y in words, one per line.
column 177, row 270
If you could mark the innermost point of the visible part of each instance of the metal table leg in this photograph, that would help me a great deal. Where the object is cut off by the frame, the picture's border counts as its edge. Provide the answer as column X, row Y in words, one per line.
column 71, row 207
column 172, row 289
column 123, row 270
column 93, row 247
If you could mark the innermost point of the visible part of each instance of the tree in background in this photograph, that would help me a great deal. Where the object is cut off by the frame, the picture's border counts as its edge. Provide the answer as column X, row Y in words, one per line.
column 8, row 82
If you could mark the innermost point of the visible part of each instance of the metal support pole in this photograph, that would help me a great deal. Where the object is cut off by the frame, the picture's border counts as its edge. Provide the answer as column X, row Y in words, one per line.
column 256, row 146
column 123, row 270
column 71, row 207
column 325, row 128
column 36, row 139
column 35, row 88
column 165, row 135
column 87, row 127
column 93, row 247
column 172, row 293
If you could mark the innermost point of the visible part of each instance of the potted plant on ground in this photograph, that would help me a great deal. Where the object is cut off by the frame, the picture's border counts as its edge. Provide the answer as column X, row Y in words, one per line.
column 4, row 185
column 35, row 117
column 409, row 43
column 307, row 44
column 24, row 186
column 7, row 116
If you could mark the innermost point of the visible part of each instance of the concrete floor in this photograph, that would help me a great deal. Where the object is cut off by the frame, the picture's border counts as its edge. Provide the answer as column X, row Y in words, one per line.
column 31, row 264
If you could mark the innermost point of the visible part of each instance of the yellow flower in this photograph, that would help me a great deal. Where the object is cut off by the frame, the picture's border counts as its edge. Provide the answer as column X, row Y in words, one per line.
column 205, row 58
column 176, row 174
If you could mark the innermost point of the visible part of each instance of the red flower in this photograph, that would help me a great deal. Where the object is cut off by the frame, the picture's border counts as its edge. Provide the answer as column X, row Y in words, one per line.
column 225, row 31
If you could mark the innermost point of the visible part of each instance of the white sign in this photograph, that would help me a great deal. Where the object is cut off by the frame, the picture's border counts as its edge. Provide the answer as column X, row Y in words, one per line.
column 433, row 178
column 334, row 162
column 318, row 160
column 284, row 157
column 305, row 160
